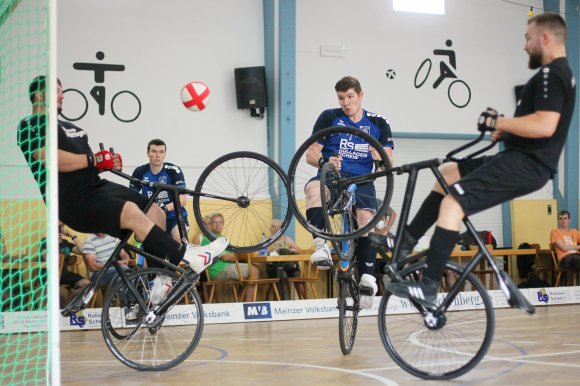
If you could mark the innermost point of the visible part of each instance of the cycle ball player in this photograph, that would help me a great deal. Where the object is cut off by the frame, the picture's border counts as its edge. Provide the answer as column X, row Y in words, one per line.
column 353, row 162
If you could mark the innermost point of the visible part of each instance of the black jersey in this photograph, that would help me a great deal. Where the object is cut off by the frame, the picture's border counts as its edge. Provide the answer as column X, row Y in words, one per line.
column 31, row 137
column 73, row 139
column 552, row 88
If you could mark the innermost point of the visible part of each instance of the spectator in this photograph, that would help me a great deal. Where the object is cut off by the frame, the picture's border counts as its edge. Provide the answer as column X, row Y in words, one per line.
column 385, row 224
column 197, row 238
column 565, row 241
column 97, row 249
column 75, row 281
column 223, row 266
column 283, row 245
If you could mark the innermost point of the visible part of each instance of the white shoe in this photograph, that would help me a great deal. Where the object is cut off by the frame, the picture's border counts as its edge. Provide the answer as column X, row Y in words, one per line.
column 161, row 287
column 199, row 258
column 132, row 314
column 368, row 283
column 321, row 258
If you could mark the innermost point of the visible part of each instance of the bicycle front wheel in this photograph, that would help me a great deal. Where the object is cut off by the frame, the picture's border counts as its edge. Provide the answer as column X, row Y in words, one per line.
column 348, row 308
column 250, row 191
column 304, row 180
column 442, row 346
column 150, row 345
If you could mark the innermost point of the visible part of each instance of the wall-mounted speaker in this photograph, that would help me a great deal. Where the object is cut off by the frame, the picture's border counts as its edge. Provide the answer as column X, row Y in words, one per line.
column 251, row 89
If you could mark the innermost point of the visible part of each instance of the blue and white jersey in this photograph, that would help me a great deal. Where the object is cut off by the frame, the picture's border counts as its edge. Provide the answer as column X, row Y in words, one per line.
column 169, row 174
column 356, row 157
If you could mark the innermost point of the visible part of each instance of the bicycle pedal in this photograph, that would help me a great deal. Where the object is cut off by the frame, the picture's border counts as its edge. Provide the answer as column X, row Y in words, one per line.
column 368, row 291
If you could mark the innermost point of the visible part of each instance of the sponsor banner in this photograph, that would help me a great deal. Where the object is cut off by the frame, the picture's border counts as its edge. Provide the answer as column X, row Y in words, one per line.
column 272, row 311
column 26, row 321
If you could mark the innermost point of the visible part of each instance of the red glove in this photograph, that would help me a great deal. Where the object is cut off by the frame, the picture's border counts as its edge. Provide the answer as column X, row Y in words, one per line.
column 118, row 160
column 104, row 160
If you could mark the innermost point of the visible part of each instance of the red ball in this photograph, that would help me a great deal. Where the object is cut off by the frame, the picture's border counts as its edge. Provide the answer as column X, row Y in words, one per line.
column 195, row 96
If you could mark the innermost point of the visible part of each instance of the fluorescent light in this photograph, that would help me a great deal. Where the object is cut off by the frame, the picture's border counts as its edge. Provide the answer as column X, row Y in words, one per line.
column 436, row 7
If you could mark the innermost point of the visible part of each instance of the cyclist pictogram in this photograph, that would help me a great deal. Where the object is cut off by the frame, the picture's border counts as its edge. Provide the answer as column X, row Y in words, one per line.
column 98, row 92
column 458, row 91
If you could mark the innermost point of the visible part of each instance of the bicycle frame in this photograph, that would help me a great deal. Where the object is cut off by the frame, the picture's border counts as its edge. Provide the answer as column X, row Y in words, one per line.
column 433, row 164
column 175, row 191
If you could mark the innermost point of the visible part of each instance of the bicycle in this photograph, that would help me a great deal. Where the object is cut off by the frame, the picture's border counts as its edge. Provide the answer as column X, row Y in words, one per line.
column 448, row 341
column 338, row 197
column 148, row 332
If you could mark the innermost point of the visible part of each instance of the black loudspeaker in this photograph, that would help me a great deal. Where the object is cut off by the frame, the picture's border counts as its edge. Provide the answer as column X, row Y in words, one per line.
column 518, row 91
column 251, row 89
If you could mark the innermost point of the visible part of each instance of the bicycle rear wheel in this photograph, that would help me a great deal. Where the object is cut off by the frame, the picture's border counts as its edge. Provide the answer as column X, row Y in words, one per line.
column 249, row 190
column 300, row 173
column 456, row 342
column 143, row 345
column 348, row 309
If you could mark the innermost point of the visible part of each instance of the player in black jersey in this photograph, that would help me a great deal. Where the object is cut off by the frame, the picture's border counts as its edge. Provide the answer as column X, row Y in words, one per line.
column 90, row 204
column 533, row 138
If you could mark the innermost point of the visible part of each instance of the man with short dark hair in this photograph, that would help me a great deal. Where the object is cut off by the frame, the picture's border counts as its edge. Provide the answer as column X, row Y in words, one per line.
column 533, row 138
column 157, row 170
column 90, row 204
column 566, row 242
column 349, row 161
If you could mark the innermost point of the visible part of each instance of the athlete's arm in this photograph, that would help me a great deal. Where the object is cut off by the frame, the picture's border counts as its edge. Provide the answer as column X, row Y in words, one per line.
column 70, row 162
column 540, row 124
column 40, row 155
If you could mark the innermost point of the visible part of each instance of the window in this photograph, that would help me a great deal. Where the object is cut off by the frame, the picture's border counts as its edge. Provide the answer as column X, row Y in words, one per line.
column 436, row 7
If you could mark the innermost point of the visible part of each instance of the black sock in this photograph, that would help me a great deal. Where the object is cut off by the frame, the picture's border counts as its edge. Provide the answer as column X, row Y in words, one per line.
column 160, row 244
column 314, row 217
column 440, row 248
column 426, row 216
column 366, row 255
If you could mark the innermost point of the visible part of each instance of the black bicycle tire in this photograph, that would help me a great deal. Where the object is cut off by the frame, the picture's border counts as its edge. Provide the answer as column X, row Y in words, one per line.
column 105, row 323
column 347, row 336
column 286, row 218
column 292, row 171
column 445, row 375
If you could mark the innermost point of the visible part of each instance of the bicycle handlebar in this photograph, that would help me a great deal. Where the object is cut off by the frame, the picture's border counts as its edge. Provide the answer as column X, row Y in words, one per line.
column 451, row 155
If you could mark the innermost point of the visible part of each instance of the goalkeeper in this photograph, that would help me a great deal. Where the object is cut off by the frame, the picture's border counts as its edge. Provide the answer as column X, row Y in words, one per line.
column 90, row 204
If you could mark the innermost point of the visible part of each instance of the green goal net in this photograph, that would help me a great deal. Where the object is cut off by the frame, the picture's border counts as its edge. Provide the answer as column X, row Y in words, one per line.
column 24, row 54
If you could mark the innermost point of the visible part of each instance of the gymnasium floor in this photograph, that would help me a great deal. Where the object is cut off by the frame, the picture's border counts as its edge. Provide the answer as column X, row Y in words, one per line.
column 543, row 349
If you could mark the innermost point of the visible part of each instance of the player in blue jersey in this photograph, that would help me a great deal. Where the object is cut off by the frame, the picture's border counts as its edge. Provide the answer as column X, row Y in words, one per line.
column 353, row 157
column 157, row 170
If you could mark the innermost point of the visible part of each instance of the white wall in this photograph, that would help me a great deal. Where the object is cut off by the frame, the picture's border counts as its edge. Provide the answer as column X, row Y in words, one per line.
column 487, row 36
column 164, row 45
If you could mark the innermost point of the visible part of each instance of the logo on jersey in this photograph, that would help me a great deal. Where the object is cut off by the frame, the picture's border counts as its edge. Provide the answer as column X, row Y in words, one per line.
column 352, row 150
column 366, row 129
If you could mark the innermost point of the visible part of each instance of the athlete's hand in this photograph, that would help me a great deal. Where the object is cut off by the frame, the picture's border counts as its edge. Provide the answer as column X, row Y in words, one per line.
column 118, row 162
column 336, row 160
column 487, row 120
column 374, row 154
column 104, row 160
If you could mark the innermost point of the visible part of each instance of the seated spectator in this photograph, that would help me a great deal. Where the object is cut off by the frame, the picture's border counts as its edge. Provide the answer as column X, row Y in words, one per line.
column 197, row 238
column 565, row 241
column 385, row 224
column 283, row 245
column 75, row 281
column 97, row 249
column 223, row 266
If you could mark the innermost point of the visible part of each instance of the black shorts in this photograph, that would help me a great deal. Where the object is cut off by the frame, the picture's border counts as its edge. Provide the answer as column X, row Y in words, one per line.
column 99, row 211
column 492, row 180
